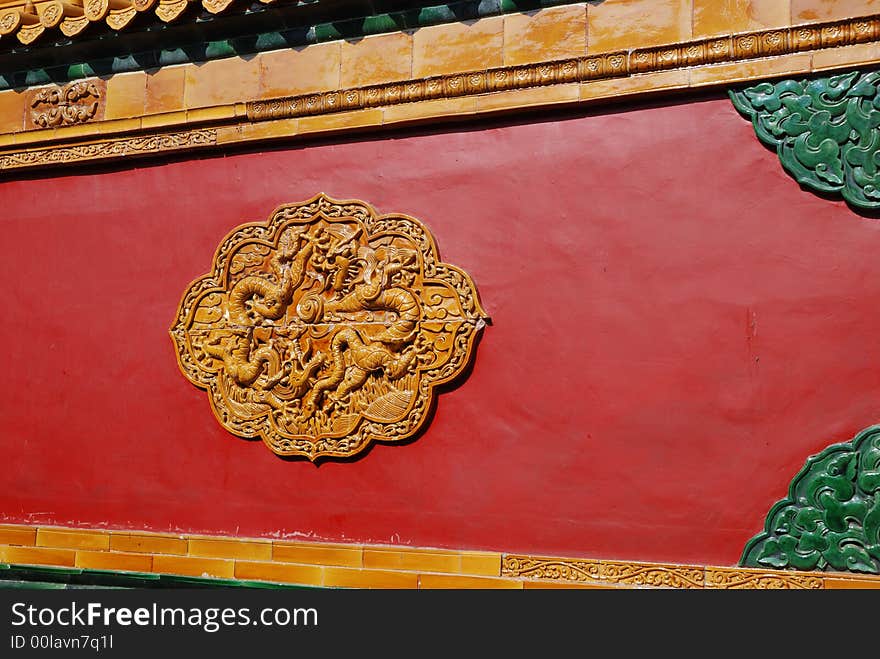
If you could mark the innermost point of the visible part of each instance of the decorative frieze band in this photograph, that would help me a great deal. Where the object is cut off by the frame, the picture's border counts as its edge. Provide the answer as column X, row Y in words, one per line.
column 730, row 48
column 651, row 575
column 111, row 148
column 639, row 70
column 373, row 566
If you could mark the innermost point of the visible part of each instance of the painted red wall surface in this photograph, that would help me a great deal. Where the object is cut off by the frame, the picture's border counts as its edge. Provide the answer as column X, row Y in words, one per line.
column 677, row 326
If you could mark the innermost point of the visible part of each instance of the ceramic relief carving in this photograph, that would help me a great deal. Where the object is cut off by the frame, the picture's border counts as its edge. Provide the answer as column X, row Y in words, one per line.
column 326, row 328
column 831, row 517
column 826, row 131
column 72, row 104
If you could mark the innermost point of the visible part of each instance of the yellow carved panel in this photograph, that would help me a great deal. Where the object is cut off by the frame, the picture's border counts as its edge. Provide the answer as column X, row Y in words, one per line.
column 326, row 328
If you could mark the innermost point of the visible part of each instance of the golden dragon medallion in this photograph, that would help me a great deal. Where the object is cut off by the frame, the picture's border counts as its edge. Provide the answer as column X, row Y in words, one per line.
column 326, row 328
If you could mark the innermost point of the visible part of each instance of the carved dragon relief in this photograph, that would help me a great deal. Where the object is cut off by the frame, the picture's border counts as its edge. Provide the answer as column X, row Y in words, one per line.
column 326, row 328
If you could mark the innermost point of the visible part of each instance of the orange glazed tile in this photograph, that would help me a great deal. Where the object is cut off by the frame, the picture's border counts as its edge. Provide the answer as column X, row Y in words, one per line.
column 216, row 113
column 17, row 535
column 412, row 560
column 634, row 85
column 851, row 584
column 37, row 556
column 117, row 125
column 377, row 59
column 438, row 581
column 716, row 17
column 457, row 47
column 354, row 578
column 106, row 560
column 762, row 68
column 300, row 70
column 318, row 554
column 78, row 130
column 126, row 94
column 625, row 24
column 11, row 111
column 260, row 130
column 163, row 119
column 521, row 98
column 196, row 567
column 212, row 548
column 856, row 55
column 341, row 121
column 555, row 33
column 481, row 563
column 30, row 136
column 147, row 543
column 823, row 10
column 73, row 539
column 310, row 575
column 164, row 91
column 221, row 82
column 429, row 110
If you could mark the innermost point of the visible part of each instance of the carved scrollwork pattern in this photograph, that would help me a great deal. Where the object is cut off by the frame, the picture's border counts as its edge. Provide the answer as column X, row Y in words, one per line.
column 826, row 131
column 119, row 148
column 831, row 518
column 756, row 580
column 657, row 576
column 326, row 328
column 72, row 104
column 531, row 567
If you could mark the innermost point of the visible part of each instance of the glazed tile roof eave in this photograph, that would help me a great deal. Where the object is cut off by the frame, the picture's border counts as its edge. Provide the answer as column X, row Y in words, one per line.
column 32, row 34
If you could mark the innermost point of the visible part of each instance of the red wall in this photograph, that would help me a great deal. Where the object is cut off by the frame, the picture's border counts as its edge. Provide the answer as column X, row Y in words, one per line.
column 676, row 327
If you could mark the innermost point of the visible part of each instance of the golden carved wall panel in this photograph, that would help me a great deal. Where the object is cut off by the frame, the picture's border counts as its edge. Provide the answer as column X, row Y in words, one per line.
column 326, row 328
column 71, row 104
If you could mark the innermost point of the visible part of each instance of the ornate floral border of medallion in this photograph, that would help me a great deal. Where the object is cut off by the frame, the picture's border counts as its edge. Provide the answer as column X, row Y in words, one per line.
column 326, row 328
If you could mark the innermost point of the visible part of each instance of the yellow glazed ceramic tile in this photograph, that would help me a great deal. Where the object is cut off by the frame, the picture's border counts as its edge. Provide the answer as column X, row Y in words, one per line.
column 714, row 17
column 213, row 548
column 107, row 560
column 283, row 573
column 357, row 578
column 553, row 33
column 625, row 24
column 148, row 543
column 299, row 71
column 72, row 539
column 318, row 554
column 17, row 535
column 458, row 47
column 196, row 567
column 376, row 59
column 37, row 556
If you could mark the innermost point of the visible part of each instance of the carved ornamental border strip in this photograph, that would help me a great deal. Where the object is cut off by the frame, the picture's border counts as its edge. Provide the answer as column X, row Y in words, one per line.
column 653, row 575
column 717, row 50
column 111, row 148
column 150, row 552
column 602, row 66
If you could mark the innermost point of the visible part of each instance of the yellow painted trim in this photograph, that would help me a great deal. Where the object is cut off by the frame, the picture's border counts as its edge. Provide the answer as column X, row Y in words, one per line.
column 377, row 566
